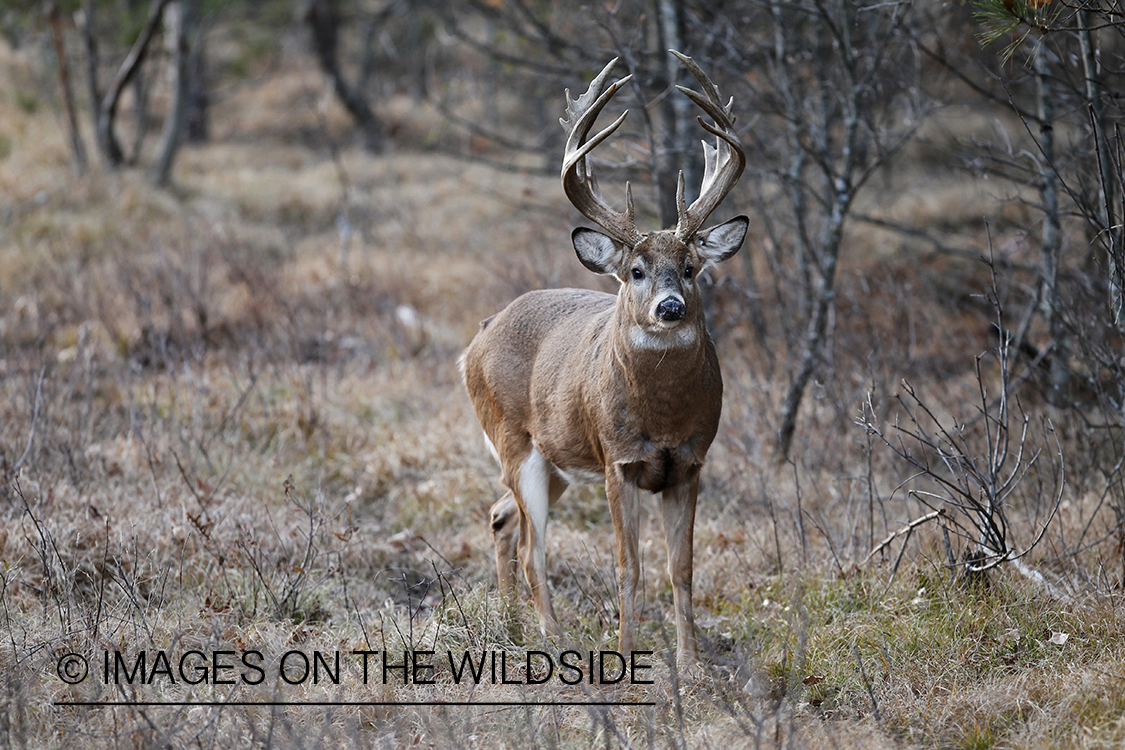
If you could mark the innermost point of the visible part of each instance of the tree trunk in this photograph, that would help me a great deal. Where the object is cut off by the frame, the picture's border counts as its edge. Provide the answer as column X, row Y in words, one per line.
column 324, row 25
column 76, row 144
column 677, row 156
column 841, row 193
column 90, row 36
column 196, row 124
column 107, row 111
column 1109, row 228
column 179, row 29
column 1059, row 372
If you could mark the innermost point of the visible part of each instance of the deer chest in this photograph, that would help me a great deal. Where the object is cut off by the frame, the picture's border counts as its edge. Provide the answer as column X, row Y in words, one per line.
column 661, row 467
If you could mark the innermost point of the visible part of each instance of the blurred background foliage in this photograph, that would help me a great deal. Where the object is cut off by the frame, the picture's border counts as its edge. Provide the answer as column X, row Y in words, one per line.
column 841, row 103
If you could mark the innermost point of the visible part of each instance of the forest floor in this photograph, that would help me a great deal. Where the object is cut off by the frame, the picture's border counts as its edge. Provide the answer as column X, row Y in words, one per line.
column 236, row 454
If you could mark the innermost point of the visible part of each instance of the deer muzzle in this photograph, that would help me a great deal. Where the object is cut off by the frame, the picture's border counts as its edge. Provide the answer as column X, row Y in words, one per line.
column 671, row 309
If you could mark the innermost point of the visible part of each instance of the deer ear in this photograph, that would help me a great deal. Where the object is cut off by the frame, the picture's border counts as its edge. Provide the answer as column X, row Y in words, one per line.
column 597, row 251
column 719, row 243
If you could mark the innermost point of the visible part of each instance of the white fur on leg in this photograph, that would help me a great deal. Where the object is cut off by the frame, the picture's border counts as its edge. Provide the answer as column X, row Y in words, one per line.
column 535, row 480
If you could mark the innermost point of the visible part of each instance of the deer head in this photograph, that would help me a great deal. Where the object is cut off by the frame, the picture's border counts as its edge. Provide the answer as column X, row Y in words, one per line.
column 657, row 270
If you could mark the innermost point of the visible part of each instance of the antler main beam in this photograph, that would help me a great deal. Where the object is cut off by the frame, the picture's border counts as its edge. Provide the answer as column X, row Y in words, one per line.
column 579, row 183
column 722, row 163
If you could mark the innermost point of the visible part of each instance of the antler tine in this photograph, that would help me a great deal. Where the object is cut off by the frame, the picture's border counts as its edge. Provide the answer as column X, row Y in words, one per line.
column 578, row 180
column 681, row 203
column 722, row 163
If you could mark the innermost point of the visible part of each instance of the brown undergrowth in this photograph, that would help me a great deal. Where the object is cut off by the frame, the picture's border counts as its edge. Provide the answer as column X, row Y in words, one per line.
column 228, row 427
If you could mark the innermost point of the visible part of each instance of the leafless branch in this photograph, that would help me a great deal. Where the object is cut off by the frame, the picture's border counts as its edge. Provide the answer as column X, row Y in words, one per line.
column 906, row 529
column 34, row 422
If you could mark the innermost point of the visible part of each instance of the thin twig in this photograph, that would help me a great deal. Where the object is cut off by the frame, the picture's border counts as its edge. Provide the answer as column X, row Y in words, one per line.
column 34, row 422
column 867, row 685
column 909, row 527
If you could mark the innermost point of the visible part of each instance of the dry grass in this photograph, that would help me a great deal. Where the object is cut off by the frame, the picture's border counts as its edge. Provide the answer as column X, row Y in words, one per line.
column 223, row 429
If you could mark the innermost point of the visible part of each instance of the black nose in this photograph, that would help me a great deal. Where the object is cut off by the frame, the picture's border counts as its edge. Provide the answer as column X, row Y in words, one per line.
column 671, row 309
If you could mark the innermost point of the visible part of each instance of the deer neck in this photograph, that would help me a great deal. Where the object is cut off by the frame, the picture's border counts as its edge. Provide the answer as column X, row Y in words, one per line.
column 662, row 397
column 642, row 354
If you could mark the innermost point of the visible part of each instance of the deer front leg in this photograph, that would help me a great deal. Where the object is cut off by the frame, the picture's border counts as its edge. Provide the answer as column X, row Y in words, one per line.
column 678, row 504
column 505, row 522
column 624, row 507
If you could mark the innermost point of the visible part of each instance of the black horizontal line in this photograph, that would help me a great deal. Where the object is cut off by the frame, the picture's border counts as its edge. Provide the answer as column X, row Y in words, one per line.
column 105, row 704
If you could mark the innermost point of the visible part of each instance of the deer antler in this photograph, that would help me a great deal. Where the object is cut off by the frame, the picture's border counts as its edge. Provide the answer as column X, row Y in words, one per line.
column 722, row 163
column 578, row 179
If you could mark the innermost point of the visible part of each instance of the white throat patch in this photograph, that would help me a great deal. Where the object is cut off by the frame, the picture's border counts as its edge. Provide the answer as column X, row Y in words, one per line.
column 677, row 338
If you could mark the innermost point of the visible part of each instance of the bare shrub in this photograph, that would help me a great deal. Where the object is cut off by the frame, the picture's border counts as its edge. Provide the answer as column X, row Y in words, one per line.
column 974, row 475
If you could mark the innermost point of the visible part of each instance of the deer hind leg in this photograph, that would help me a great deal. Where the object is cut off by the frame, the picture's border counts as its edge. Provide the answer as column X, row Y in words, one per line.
column 538, row 487
column 678, row 505
column 505, row 521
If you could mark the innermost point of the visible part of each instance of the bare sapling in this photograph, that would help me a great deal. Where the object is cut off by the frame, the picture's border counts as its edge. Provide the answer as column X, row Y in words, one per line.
column 968, row 474
column 576, row 386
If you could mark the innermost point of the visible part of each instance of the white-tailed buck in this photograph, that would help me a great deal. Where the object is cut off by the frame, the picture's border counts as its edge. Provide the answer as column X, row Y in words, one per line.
column 575, row 386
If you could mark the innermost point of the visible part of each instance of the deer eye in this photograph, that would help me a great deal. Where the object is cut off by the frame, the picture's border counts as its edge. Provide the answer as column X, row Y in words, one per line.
column 689, row 272
column 638, row 274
